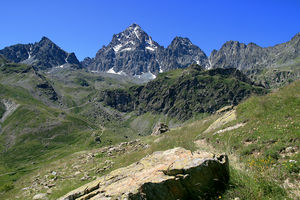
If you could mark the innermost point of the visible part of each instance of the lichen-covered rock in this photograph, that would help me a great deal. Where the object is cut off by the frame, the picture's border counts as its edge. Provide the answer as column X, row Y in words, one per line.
column 173, row 174
column 40, row 196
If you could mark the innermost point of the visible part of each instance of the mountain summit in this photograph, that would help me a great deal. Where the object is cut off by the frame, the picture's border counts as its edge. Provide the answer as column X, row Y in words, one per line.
column 43, row 54
column 133, row 38
column 251, row 56
column 134, row 52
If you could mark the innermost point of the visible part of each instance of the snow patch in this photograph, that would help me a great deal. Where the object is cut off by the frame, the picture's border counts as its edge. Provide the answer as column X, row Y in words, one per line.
column 29, row 52
column 29, row 55
column 147, row 76
column 136, row 32
column 122, row 73
column 66, row 59
column 209, row 66
column 60, row 66
column 150, row 41
column 150, row 48
column 127, row 49
column 152, row 75
column 117, row 47
column 160, row 70
column 111, row 71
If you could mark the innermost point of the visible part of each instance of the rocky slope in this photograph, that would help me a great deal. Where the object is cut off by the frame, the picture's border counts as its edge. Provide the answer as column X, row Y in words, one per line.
column 30, row 79
column 173, row 174
column 43, row 55
column 135, row 53
column 234, row 54
column 183, row 93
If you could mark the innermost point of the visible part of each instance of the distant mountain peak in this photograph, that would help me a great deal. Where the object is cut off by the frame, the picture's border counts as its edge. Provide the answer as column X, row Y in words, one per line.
column 134, row 52
column 132, row 38
column 134, row 26
column 296, row 37
column 44, row 54
column 44, row 38
column 181, row 41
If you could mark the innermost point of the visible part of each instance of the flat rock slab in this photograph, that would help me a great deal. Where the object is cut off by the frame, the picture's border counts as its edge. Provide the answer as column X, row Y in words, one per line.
column 164, row 175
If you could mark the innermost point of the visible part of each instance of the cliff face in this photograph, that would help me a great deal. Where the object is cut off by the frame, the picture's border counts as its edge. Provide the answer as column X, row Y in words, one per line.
column 183, row 93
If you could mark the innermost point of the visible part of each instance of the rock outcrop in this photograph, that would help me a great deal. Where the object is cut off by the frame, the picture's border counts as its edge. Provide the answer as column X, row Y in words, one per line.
column 160, row 128
column 165, row 175
column 9, row 107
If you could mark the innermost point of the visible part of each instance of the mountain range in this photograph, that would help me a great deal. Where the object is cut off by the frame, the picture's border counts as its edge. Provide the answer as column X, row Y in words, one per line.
column 133, row 52
column 64, row 123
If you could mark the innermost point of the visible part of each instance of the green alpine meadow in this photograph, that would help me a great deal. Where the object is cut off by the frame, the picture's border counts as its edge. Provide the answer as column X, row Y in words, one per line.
column 209, row 108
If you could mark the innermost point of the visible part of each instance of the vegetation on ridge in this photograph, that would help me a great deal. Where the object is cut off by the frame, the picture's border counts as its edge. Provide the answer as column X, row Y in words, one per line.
column 181, row 94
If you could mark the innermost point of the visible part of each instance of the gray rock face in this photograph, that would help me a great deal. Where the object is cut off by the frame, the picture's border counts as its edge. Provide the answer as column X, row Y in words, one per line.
column 160, row 128
column 181, row 53
column 164, row 175
column 248, row 57
column 43, row 55
column 135, row 53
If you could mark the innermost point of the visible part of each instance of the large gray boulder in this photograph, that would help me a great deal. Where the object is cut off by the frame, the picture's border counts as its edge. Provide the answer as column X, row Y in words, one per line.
column 165, row 175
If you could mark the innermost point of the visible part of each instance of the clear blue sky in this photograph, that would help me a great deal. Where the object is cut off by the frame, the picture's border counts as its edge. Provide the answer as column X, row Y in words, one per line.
column 83, row 26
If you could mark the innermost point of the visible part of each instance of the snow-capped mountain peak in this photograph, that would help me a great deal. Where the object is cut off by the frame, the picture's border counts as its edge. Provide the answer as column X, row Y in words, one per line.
column 132, row 38
column 135, row 53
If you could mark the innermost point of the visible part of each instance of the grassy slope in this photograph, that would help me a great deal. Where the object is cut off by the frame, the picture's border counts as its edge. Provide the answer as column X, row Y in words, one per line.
column 258, row 166
column 273, row 124
column 43, row 136
column 35, row 133
column 273, row 121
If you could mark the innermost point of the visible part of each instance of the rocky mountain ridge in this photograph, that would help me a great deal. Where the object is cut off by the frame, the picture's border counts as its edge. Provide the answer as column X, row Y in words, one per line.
column 183, row 93
column 234, row 54
column 133, row 52
column 43, row 55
